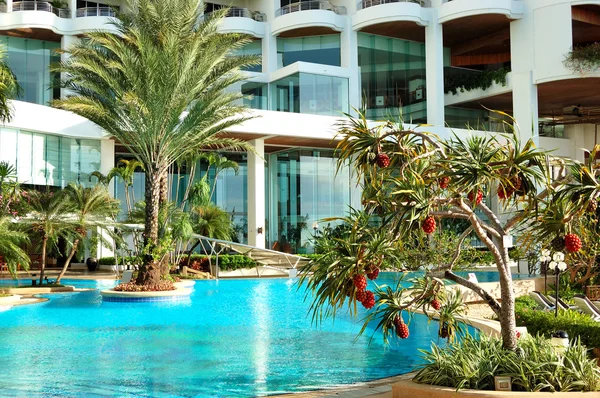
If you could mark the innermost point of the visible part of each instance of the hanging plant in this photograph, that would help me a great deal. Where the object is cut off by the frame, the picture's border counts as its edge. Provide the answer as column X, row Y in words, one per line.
column 583, row 59
column 468, row 82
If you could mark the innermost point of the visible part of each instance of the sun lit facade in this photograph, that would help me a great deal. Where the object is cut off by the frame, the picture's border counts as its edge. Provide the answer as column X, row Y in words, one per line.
column 423, row 61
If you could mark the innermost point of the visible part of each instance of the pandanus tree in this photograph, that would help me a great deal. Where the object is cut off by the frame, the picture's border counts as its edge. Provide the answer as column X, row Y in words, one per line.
column 569, row 223
column 92, row 208
column 412, row 180
column 157, row 85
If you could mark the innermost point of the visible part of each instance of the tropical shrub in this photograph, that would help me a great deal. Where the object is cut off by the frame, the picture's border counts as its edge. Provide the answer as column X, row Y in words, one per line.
column 227, row 262
column 576, row 324
column 467, row 82
column 122, row 260
column 536, row 365
column 583, row 59
column 160, row 286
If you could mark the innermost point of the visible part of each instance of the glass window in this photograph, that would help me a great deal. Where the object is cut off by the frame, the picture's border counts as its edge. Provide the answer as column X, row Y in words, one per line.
column 253, row 48
column 43, row 159
column 255, row 95
column 392, row 73
column 315, row 49
column 306, row 189
column 310, row 94
column 29, row 60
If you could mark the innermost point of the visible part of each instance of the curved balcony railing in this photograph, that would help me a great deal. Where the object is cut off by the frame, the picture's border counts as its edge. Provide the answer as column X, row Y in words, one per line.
column 370, row 3
column 242, row 13
column 95, row 12
column 310, row 5
column 39, row 6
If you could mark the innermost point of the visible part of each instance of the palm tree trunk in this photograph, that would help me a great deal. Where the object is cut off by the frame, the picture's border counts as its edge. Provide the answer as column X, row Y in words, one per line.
column 212, row 191
column 68, row 261
column 189, row 257
column 164, row 199
column 190, row 181
column 43, row 264
column 150, row 269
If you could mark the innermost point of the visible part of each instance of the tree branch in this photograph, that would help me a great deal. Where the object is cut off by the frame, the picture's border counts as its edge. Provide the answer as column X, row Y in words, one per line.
column 493, row 218
column 491, row 301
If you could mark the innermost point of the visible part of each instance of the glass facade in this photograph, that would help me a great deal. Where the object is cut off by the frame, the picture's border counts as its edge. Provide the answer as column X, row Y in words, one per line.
column 43, row 159
column 304, row 189
column 255, row 95
column 314, row 49
column 310, row 94
column 477, row 119
column 392, row 76
column 253, row 48
column 29, row 60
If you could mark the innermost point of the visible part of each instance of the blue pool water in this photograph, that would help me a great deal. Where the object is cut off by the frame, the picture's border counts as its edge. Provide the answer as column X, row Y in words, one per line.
column 231, row 338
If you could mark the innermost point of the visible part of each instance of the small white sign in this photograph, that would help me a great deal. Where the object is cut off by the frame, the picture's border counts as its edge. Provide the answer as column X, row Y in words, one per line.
column 507, row 240
column 473, row 277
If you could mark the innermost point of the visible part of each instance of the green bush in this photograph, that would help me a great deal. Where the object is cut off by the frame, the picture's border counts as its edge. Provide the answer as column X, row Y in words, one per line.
column 577, row 325
column 227, row 262
column 472, row 363
column 122, row 260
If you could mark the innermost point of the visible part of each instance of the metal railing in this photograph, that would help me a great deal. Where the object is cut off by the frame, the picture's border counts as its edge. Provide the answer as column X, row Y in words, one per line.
column 370, row 3
column 239, row 12
column 95, row 12
column 310, row 5
column 40, row 6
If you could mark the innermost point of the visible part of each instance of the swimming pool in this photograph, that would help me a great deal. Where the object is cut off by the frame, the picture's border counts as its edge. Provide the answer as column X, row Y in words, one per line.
column 231, row 338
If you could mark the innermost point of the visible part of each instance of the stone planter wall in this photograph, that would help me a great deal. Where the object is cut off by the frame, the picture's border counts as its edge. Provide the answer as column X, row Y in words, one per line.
column 410, row 389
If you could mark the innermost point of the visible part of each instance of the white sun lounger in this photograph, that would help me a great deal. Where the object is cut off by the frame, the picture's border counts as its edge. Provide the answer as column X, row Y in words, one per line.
column 127, row 275
column 586, row 306
column 541, row 301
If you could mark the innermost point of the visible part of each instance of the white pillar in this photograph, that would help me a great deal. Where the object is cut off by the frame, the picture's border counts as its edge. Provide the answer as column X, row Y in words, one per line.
column 9, row 6
column 107, row 160
column 256, row 194
column 269, row 52
column 349, row 59
column 65, row 42
column 73, row 8
column 434, row 68
column 525, row 105
column 525, row 98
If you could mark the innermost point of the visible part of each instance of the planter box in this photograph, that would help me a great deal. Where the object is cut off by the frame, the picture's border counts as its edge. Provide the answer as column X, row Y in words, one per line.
column 410, row 389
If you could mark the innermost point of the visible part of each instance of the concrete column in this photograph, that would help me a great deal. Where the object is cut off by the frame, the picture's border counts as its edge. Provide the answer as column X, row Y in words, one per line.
column 269, row 52
column 349, row 59
column 9, row 5
column 434, row 67
column 256, row 194
column 525, row 99
column 107, row 161
column 73, row 8
column 65, row 42
column 525, row 105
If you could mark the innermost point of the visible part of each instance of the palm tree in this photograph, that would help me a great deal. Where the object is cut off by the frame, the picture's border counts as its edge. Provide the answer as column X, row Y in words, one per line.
column 9, row 88
column 211, row 221
column 222, row 163
column 93, row 208
column 48, row 219
column 11, row 242
column 157, row 85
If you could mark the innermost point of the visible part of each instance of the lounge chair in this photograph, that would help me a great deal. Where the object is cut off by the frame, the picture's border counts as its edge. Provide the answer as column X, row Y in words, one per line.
column 561, row 304
column 541, row 301
column 586, row 306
